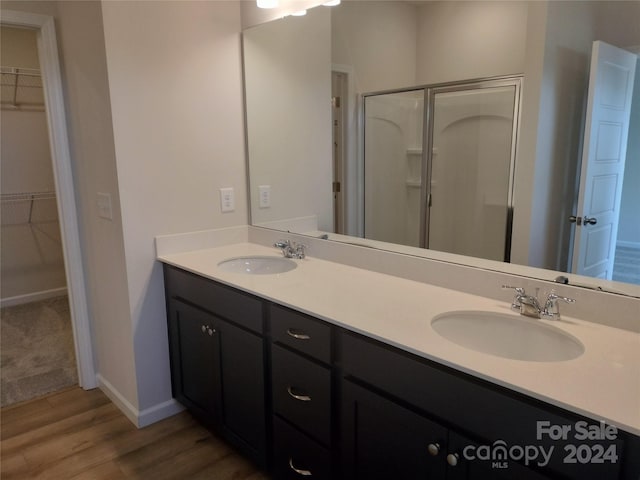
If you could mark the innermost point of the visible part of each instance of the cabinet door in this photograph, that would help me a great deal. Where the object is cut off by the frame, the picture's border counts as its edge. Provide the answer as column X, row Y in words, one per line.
column 243, row 389
column 383, row 440
column 464, row 465
column 195, row 359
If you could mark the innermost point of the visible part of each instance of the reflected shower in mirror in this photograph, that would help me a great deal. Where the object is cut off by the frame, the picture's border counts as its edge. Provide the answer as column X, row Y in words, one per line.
column 313, row 155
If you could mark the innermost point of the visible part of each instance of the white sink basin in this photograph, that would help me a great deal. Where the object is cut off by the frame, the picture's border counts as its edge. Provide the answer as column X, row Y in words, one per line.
column 258, row 265
column 508, row 336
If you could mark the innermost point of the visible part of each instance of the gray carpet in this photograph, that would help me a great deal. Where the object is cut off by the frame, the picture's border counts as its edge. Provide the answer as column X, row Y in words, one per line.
column 38, row 355
column 627, row 265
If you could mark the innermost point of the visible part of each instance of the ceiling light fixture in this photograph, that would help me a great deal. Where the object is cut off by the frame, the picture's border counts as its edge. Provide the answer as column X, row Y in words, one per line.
column 267, row 3
column 299, row 13
column 332, row 3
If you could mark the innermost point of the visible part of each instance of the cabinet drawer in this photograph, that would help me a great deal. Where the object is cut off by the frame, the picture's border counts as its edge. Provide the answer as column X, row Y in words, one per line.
column 302, row 393
column 226, row 302
column 302, row 333
column 297, row 456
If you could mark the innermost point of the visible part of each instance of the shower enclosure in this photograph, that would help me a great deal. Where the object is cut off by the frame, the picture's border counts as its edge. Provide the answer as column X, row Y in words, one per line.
column 438, row 166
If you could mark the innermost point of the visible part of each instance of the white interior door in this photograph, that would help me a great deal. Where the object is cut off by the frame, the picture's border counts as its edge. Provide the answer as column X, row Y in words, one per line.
column 603, row 158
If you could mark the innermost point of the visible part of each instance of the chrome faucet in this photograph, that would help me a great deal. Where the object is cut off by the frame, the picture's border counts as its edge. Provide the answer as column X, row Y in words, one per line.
column 291, row 249
column 530, row 306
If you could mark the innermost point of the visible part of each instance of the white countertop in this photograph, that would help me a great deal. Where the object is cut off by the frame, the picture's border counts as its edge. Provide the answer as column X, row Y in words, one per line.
column 603, row 383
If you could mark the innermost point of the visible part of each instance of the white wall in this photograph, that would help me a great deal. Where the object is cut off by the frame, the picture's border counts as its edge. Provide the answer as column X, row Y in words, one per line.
column 565, row 73
column 463, row 40
column 377, row 39
column 288, row 87
column 176, row 99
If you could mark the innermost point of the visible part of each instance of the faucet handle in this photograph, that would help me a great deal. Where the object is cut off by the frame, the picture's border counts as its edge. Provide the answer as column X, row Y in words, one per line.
column 299, row 249
column 551, row 307
column 282, row 244
column 516, row 303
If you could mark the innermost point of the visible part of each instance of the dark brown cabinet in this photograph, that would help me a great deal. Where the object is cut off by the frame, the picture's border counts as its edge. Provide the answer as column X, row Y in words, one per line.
column 218, row 371
column 301, row 386
column 302, row 397
column 383, row 440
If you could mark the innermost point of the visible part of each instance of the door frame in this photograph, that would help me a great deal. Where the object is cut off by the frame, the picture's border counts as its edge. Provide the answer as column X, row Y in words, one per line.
column 44, row 25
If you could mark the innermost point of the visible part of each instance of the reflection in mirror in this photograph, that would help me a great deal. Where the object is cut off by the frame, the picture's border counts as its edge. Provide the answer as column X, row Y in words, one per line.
column 314, row 165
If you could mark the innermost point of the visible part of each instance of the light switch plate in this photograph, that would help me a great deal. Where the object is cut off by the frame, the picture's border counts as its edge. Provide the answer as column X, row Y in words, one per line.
column 227, row 200
column 104, row 206
column 265, row 196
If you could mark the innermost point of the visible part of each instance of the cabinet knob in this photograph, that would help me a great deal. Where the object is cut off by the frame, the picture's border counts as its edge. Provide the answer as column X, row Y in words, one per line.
column 434, row 449
column 297, row 335
column 302, row 398
column 452, row 459
column 211, row 331
column 305, row 473
column 203, row 328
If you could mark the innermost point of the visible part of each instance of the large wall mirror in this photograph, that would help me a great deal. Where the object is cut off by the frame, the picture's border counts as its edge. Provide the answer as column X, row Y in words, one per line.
column 454, row 130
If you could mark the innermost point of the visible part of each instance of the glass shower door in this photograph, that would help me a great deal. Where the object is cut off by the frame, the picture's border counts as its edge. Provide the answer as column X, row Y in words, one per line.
column 393, row 138
column 471, row 169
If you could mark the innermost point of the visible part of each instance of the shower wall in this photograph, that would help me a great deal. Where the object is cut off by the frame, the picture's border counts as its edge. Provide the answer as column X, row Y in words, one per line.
column 31, row 260
column 471, row 168
column 392, row 172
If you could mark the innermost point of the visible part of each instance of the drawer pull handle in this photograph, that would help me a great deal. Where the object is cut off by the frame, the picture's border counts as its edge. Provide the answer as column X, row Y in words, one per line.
column 299, row 336
column 306, row 473
column 302, row 398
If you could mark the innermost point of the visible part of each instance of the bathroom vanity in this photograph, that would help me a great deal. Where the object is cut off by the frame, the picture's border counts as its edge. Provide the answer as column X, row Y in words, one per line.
column 332, row 372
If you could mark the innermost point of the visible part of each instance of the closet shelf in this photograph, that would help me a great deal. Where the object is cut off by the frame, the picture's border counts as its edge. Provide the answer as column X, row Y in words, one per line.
column 28, row 208
column 21, row 88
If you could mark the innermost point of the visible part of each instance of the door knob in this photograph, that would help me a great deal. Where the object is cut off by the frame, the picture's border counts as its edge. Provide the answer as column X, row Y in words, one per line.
column 589, row 221
column 574, row 219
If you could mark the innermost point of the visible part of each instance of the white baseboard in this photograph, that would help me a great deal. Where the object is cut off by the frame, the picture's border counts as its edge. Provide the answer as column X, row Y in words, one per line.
column 139, row 418
column 33, row 297
column 622, row 243
column 159, row 412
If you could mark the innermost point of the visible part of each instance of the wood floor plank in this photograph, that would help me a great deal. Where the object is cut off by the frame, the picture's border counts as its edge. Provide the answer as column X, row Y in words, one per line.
column 144, row 459
column 104, row 471
column 232, row 467
column 77, row 401
column 52, row 431
column 189, row 462
column 81, row 435
column 13, row 466
column 68, row 444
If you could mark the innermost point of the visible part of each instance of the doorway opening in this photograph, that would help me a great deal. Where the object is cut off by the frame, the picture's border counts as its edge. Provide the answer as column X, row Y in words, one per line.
column 37, row 338
column 69, row 233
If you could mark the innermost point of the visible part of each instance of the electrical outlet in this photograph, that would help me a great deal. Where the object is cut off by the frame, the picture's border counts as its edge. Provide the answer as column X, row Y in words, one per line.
column 104, row 206
column 265, row 196
column 227, row 200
